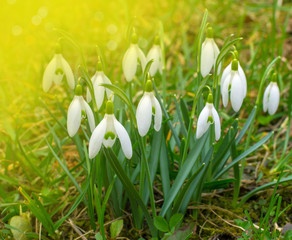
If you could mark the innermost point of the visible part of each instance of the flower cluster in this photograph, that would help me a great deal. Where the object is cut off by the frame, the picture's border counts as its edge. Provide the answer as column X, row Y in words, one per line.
column 233, row 84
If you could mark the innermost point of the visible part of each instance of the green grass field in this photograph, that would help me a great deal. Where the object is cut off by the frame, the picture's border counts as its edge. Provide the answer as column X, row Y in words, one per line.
column 174, row 185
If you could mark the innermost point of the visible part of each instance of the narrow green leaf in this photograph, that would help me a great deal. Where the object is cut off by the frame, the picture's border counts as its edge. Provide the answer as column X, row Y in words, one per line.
column 64, row 167
column 183, row 173
column 132, row 192
column 251, row 193
column 244, row 154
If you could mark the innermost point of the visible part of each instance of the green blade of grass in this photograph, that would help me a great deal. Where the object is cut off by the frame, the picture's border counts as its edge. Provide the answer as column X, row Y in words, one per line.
column 244, row 154
column 183, row 174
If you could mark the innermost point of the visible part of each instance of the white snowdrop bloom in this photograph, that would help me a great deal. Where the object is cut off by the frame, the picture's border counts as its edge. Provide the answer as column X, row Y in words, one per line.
column 147, row 107
column 106, row 133
column 207, row 117
column 99, row 91
column 155, row 53
column 271, row 97
column 77, row 107
column 209, row 53
column 234, row 82
column 241, row 73
column 57, row 68
column 131, row 58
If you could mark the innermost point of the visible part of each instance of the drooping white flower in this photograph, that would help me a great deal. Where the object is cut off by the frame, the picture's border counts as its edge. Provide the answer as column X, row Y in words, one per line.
column 209, row 53
column 233, row 80
column 106, row 133
column 207, row 117
column 155, row 53
column 147, row 107
column 227, row 72
column 131, row 58
column 271, row 97
column 77, row 106
column 99, row 91
column 57, row 68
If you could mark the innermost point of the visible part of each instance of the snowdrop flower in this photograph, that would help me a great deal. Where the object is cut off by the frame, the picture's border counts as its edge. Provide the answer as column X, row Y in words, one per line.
column 209, row 53
column 147, row 107
column 56, row 70
column 130, row 60
column 227, row 72
column 106, row 133
column 271, row 96
column 99, row 91
column 77, row 106
column 155, row 53
column 207, row 117
column 234, row 82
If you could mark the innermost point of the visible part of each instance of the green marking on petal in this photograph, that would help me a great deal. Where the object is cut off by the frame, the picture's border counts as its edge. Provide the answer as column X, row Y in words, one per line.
column 59, row 71
column 153, row 110
column 83, row 114
column 229, row 87
column 108, row 135
column 210, row 119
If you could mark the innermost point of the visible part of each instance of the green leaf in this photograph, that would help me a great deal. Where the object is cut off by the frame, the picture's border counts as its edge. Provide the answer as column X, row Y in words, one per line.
column 39, row 211
column 116, row 228
column 183, row 173
column 251, row 193
column 98, row 236
column 244, row 154
column 175, row 220
column 129, row 187
column 288, row 235
column 161, row 224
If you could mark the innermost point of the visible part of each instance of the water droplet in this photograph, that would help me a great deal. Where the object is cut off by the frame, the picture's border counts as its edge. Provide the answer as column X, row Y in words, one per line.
column 36, row 20
column 16, row 30
column 112, row 29
column 112, row 45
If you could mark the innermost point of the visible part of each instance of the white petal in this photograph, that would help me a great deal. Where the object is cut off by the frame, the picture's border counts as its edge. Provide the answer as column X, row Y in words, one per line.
column 74, row 116
column 141, row 57
column 207, row 57
column 109, row 142
column 108, row 91
column 202, row 124
column 236, row 95
column 225, row 90
column 88, row 95
column 49, row 74
column 216, row 53
column 96, row 139
column 98, row 90
column 225, row 73
column 144, row 114
column 124, row 139
column 158, row 113
column 266, row 97
column 217, row 124
column 130, row 61
column 89, row 114
column 243, row 79
column 68, row 73
column 153, row 54
column 59, row 71
column 274, row 99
